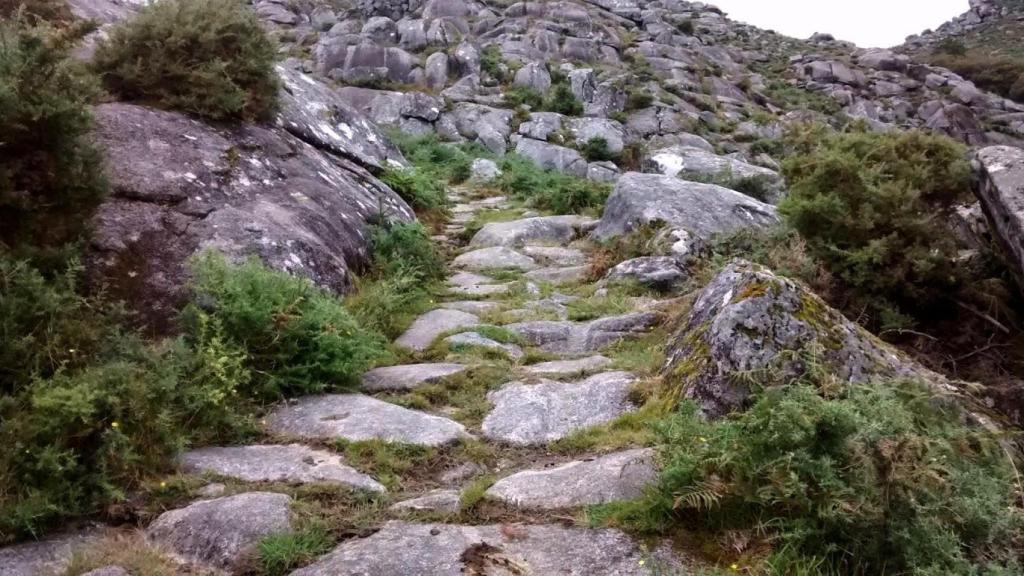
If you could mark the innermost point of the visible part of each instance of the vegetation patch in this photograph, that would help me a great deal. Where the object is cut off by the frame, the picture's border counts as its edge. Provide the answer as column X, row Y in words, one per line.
column 549, row 190
column 211, row 58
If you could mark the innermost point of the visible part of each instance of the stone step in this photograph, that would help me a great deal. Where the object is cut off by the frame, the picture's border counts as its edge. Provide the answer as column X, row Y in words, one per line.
column 559, row 274
column 610, row 478
column 411, row 549
column 555, row 255
column 223, row 532
column 355, row 417
column 542, row 230
column 293, row 463
column 568, row 368
column 566, row 337
column 472, row 306
column 407, row 376
column 497, row 257
column 530, row 414
column 428, row 327
column 475, row 340
column 441, row 500
column 49, row 556
column 470, row 284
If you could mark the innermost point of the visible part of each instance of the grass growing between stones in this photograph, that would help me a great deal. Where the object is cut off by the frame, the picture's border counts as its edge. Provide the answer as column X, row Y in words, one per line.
column 473, row 493
column 484, row 217
column 626, row 431
column 642, row 356
column 596, row 307
column 463, row 396
column 130, row 550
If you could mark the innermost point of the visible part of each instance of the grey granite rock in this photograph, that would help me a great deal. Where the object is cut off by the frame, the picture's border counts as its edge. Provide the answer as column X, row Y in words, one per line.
column 50, row 555
column 474, row 340
column 700, row 209
column 483, row 170
column 559, row 274
column 108, row 571
column 555, row 255
column 568, row 368
column 1000, row 188
column 406, row 549
column 407, row 376
column 552, row 157
column 565, row 337
column 291, row 463
column 441, row 500
column 472, row 306
column 428, row 327
column 222, row 532
column 609, row 478
column 539, row 413
column 494, row 257
column 355, row 417
column 541, row 230
column 660, row 272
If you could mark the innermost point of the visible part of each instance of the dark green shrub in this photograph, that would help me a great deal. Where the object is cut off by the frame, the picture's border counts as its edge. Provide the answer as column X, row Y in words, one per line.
column 87, row 409
column 637, row 99
column 492, row 63
column 405, row 248
column 596, row 150
column 446, row 161
column 422, row 189
column 517, row 96
column 50, row 175
column 685, row 27
column 298, row 339
column 563, row 101
column 873, row 208
column 993, row 73
column 207, row 57
column 548, row 190
column 871, row 479
column 52, row 11
column 951, row 46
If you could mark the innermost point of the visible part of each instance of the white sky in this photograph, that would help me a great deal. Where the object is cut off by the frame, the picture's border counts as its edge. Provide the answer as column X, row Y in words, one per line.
column 868, row 23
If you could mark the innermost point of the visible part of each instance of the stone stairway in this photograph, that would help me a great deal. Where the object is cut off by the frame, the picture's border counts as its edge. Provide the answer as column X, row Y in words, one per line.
column 555, row 384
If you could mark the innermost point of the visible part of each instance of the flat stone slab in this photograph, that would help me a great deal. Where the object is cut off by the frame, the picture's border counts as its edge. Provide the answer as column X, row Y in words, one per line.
column 469, row 284
column 355, row 417
column 45, row 556
column 555, row 255
column 660, row 272
column 447, row 501
column 224, row 531
column 559, row 274
column 472, row 339
column 408, row 549
column 496, row 257
column 565, row 337
column 428, row 327
column 407, row 376
column 539, row 413
column 541, row 230
column 472, row 306
column 568, row 368
column 610, row 478
column 274, row 463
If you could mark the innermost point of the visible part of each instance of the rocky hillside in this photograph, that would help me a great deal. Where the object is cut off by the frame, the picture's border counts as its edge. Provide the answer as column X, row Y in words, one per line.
column 689, row 297
column 991, row 26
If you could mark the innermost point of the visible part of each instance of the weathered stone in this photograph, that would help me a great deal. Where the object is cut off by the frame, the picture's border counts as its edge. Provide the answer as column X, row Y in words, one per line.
column 107, row 571
column 1000, row 188
column 483, row 170
column 277, row 463
column 611, row 131
column 222, row 532
column 559, row 274
column 700, row 209
column 685, row 161
column 445, row 501
column 552, row 157
column 49, row 556
column 568, row 368
column 554, row 230
column 472, row 306
column 584, row 337
column 547, row 411
column 609, row 478
column 407, row 376
column 475, row 340
column 535, row 76
column 429, row 326
column 746, row 318
column 180, row 186
column 406, row 549
column 555, row 255
column 494, row 257
column 436, row 71
column 355, row 417
column 660, row 272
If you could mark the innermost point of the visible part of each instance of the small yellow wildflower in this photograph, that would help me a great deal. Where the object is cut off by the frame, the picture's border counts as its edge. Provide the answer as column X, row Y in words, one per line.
column 734, row 567
column 163, row 484
column 704, row 440
column 114, row 424
column 642, row 562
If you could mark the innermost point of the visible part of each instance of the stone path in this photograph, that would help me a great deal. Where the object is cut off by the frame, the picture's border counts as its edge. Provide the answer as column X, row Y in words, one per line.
column 505, row 310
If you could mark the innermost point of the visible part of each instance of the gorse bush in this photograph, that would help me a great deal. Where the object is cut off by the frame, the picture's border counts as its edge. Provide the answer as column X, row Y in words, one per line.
column 873, row 208
column 87, row 408
column 50, row 175
column 548, row 190
column 999, row 74
column 52, row 11
column 869, row 479
column 211, row 58
column 517, row 96
column 297, row 338
column 596, row 150
column 562, row 100
column 406, row 247
column 446, row 161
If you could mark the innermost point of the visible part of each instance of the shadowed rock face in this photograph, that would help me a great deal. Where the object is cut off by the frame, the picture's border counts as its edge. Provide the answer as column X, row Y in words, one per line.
column 1000, row 187
column 748, row 319
column 180, row 186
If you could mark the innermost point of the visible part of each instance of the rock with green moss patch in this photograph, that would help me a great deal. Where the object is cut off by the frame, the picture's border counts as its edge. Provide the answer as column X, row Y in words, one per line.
column 749, row 321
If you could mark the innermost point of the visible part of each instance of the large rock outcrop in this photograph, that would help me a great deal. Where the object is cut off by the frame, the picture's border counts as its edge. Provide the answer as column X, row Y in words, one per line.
column 180, row 186
column 1000, row 188
column 749, row 319
column 701, row 210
